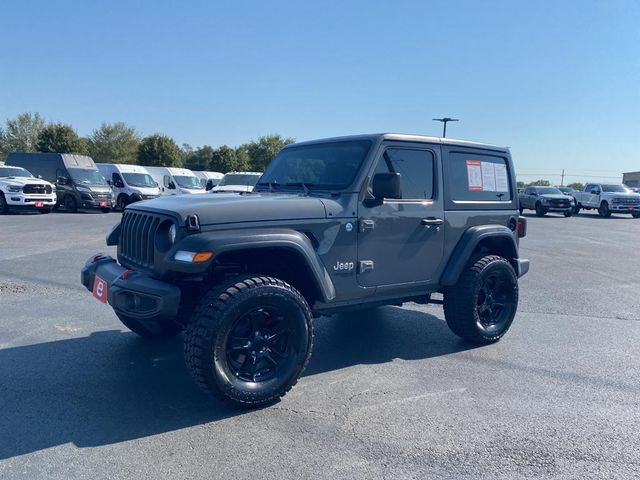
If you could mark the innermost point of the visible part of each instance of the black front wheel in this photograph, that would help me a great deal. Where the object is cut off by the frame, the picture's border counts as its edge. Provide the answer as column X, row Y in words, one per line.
column 481, row 306
column 635, row 214
column 603, row 210
column 540, row 210
column 106, row 210
column 249, row 340
column 123, row 201
column 568, row 213
column 70, row 204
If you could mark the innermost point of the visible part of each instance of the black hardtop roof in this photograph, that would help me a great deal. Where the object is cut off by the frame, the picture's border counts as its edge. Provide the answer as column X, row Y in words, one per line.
column 404, row 137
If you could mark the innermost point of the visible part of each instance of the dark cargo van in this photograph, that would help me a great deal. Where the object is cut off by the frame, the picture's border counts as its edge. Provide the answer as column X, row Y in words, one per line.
column 79, row 183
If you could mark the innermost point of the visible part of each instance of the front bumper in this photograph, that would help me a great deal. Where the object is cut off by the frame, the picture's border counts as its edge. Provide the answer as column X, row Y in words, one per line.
column 132, row 293
column 621, row 208
column 29, row 200
column 86, row 202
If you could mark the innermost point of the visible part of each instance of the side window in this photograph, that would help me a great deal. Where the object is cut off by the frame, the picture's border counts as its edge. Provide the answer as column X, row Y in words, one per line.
column 166, row 180
column 476, row 177
column 415, row 168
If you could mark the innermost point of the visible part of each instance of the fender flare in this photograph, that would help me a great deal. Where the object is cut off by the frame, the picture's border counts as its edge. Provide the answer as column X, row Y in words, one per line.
column 468, row 243
column 220, row 242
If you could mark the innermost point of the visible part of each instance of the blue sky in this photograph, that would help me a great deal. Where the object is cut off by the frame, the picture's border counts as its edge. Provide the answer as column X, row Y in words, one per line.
column 557, row 81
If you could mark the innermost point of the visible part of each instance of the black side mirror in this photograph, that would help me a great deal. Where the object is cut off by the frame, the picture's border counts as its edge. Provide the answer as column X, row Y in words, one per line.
column 386, row 185
column 209, row 185
column 109, row 182
column 62, row 180
column 172, row 186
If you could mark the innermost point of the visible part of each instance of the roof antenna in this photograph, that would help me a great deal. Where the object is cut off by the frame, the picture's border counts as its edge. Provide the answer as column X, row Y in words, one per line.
column 444, row 120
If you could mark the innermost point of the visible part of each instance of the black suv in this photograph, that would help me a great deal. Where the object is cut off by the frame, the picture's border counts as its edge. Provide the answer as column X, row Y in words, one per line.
column 333, row 225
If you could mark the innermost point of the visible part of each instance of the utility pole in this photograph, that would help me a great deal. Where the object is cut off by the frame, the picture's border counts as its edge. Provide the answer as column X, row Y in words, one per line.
column 444, row 120
column 562, row 179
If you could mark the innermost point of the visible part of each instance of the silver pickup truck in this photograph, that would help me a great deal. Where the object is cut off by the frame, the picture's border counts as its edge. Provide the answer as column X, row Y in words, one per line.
column 607, row 199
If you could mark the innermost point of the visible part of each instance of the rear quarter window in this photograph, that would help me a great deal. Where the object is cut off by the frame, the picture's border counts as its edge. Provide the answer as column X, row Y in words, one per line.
column 476, row 177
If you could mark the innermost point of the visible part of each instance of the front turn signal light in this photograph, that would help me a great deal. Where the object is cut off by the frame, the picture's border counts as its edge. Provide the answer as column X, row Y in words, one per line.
column 192, row 257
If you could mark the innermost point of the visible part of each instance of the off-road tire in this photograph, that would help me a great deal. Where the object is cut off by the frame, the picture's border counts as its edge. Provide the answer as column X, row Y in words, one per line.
column 150, row 329
column 214, row 322
column 603, row 210
column 460, row 301
column 70, row 204
column 4, row 208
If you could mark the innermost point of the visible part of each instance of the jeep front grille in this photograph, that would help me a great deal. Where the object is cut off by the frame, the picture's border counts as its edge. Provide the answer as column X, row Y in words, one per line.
column 137, row 238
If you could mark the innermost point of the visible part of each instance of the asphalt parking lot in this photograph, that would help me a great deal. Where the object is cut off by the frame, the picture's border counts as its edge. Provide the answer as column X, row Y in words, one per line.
column 391, row 394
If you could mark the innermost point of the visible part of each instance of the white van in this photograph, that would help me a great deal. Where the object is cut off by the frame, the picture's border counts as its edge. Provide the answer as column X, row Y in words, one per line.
column 208, row 179
column 237, row 182
column 176, row 181
column 130, row 183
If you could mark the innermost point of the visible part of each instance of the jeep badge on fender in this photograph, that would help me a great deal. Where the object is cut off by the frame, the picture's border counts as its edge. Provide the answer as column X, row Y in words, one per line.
column 244, row 276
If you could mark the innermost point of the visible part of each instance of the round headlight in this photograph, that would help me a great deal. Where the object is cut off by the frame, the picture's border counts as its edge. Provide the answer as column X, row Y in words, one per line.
column 172, row 233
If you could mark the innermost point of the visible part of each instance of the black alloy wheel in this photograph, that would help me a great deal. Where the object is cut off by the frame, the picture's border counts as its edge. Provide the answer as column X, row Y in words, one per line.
column 495, row 303
column 258, row 347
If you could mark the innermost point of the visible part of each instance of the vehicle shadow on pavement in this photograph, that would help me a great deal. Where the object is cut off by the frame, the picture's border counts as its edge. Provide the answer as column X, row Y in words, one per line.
column 112, row 386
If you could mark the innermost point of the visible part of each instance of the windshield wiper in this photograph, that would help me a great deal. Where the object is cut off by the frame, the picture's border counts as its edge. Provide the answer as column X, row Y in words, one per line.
column 304, row 185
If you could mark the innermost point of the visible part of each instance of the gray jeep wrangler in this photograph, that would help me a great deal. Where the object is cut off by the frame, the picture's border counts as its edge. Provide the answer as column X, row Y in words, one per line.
column 332, row 225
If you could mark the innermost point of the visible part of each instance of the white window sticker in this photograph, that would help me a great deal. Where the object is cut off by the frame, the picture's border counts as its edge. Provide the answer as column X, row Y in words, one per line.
column 474, row 174
column 488, row 177
column 502, row 179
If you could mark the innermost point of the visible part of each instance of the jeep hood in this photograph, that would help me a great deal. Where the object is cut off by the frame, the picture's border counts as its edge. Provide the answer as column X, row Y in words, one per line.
column 223, row 208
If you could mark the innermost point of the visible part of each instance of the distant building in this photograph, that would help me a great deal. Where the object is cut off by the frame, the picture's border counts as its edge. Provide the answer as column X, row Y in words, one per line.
column 631, row 179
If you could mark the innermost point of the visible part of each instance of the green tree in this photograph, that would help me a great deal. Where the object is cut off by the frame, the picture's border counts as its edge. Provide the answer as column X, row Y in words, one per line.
column 200, row 158
column 540, row 183
column 262, row 151
column 114, row 143
column 159, row 150
column 60, row 138
column 21, row 133
column 520, row 184
column 226, row 159
column 576, row 186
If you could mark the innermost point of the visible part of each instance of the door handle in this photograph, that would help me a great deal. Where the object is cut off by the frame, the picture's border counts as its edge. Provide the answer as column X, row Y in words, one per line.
column 428, row 222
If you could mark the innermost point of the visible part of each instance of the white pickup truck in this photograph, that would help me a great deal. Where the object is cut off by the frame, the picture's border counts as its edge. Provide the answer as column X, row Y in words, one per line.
column 607, row 199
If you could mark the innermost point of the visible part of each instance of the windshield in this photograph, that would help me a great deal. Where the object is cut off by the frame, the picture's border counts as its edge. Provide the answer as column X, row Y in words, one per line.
column 139, row 180
column 83, row 176
column 14, row 172
column 565, row 189
column 191, row 183
column 321, row 165
column 615, row 188
column 549, row 191
column 238, row 179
